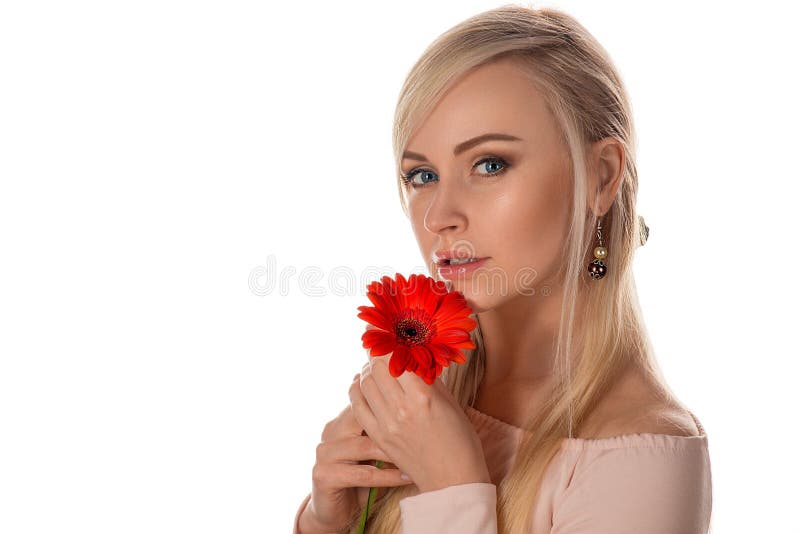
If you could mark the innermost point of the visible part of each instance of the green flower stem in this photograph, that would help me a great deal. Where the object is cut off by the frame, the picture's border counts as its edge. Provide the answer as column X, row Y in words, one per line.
column 362, row 527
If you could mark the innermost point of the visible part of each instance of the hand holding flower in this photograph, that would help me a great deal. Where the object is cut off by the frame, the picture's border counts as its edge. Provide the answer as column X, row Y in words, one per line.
column 417, row 325
column 421, row 427
column 412, row 416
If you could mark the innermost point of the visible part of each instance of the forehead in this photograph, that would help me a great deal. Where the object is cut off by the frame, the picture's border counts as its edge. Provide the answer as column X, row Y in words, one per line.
column 497, row 97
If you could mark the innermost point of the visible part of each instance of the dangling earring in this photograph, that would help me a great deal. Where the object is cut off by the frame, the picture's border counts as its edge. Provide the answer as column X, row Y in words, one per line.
column 597, row 267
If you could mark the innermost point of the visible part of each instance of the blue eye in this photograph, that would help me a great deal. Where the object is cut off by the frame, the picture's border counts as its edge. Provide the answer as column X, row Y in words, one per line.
column 491, row 162
column 409, row 177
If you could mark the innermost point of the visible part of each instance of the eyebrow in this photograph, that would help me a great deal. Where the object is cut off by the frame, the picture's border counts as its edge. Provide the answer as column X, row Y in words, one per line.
column 466, row 145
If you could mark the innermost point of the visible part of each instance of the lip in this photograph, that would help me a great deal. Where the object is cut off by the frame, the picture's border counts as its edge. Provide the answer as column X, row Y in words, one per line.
column 451, row 272
column 443, row 254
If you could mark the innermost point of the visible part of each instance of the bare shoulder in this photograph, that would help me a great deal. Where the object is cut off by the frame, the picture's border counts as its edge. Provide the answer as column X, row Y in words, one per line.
column 673, row 421
column 635, row 409
column 641, row 419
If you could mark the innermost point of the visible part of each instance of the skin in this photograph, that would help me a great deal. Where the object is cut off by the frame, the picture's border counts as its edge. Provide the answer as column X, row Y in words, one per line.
column 518, row 218
column 402, row 415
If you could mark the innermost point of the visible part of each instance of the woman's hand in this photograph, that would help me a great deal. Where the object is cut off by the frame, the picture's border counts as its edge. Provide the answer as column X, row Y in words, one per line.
column 420, row 426
column 343, row 474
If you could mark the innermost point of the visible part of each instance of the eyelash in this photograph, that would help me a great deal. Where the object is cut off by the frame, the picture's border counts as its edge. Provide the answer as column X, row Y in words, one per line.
column 408, row 178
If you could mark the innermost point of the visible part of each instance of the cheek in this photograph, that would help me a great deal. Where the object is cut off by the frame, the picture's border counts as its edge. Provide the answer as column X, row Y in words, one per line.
column 534, row 223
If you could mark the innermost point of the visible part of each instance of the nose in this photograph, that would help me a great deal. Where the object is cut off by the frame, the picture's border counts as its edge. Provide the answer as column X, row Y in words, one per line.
column 446, row 212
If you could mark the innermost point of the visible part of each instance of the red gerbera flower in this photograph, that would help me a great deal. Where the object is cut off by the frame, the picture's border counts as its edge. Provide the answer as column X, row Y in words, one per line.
column 422, row 324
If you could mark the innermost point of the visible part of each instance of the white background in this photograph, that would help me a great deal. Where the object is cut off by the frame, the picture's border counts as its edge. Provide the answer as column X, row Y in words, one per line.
column 155, row 156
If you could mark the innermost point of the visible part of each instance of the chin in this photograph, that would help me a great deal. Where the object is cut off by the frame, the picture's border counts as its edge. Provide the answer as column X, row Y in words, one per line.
column 478, row 301
column 474, row 292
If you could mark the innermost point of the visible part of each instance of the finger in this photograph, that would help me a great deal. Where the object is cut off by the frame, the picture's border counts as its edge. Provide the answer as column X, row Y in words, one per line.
column 344, row 424
column 389, row 385
column 441, row 387
column 358, row 476
column 413, row 383
column 361, row 410
column 384, row 358
column 384, row 464
column 381, row 391
column 351, row 449
column 441, row 390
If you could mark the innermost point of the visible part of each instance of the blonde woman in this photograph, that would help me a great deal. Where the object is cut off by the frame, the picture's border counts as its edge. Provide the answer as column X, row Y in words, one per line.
column 514, row 145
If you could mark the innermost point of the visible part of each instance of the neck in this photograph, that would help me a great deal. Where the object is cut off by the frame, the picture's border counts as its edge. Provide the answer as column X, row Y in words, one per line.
column 519, row 339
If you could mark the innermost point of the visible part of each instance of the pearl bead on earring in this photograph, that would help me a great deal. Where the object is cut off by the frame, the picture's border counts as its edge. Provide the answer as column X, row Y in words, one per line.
column 597, row 267
column 600, row 253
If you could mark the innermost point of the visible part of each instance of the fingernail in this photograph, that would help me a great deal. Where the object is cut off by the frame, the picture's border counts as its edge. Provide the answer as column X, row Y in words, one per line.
column 356, row 377
column 405, row 476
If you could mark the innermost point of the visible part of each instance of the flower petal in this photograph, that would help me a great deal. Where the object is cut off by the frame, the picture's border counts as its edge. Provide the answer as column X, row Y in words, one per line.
column 400, row 290
column 445, row 316
column 429, row 376
column 444, row 354
column 381, row 297
column 429, row 296
column 379, row 342
column 457, row 339
column 375, row 317
column 452, row 303
column 423, row 356
column 398, row 361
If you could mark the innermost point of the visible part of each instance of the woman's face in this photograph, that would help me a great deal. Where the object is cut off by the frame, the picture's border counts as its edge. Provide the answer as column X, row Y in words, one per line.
column 512, row 208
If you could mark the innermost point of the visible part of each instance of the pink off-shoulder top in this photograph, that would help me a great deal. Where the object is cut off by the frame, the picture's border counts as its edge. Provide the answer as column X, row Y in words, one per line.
column 634, row 483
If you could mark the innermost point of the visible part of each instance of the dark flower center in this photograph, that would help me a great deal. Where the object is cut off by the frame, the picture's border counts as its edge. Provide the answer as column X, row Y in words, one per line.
column 413, row 328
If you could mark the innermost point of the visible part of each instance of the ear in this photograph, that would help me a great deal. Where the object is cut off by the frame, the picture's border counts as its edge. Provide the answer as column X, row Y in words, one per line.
column 606, row 168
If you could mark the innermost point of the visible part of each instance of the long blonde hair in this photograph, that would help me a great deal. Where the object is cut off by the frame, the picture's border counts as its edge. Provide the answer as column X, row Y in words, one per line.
column 596, row 342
